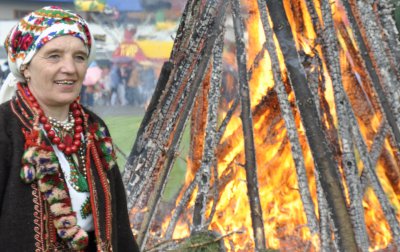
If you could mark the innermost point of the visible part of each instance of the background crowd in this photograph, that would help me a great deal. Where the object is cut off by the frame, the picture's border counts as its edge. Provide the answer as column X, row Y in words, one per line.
column 127, row 83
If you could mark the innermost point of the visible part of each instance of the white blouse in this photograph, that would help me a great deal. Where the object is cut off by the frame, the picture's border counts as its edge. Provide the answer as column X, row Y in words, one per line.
column 78, row 199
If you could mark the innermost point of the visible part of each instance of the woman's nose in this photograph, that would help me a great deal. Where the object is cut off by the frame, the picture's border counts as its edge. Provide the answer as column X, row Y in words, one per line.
column 68, row 65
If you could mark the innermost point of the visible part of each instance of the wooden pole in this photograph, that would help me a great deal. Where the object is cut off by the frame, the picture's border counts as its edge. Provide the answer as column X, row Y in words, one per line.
column 323, row 157
column 210, row 24
column 384, row 11
column 286, row 110
column 248, row 134
column 375, row 62
column 349, row 164
column 175, row 101
column 214, row 94
column 387, row 208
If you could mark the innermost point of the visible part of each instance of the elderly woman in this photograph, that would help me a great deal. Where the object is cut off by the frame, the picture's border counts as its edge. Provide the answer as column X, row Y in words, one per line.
column 60, row 188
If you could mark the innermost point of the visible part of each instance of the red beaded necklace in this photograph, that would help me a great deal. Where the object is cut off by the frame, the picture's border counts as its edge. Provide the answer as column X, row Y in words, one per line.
column 66, row 145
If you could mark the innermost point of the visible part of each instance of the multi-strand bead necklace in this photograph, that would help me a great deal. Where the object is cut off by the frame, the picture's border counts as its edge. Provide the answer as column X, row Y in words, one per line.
column 67, row 136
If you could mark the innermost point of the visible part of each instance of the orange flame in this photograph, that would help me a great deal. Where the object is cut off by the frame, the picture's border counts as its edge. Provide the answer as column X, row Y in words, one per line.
column 285, row 222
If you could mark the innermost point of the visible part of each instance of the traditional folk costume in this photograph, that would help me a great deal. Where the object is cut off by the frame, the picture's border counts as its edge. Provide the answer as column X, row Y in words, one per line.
column 60, row 188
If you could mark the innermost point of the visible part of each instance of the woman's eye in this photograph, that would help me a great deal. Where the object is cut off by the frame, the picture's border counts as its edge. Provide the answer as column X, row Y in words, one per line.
column 53, row 57
column 81, row 58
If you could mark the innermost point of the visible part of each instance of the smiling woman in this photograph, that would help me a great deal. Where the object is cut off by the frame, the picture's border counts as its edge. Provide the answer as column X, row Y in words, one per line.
column 60, row 187
column 56, row 73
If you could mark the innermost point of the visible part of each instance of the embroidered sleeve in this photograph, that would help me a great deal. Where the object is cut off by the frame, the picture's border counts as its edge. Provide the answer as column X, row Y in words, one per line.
column 104, row 145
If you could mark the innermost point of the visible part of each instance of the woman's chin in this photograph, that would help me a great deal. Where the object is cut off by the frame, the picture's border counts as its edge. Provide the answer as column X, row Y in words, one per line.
column 65, row 101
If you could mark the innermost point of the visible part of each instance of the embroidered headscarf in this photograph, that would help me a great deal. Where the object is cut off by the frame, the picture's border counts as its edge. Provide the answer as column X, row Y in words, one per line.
column 32, row 33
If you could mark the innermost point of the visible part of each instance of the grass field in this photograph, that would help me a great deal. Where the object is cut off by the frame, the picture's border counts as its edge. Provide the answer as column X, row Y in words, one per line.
column 123, row 130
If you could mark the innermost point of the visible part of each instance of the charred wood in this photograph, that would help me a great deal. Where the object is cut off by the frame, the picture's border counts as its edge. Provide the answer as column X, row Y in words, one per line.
column 377, row 145
column 198, row 124
column 214, row 94
column 315, row 20
column 324, row 216
column 286, row 110
column 375, row 152
column 381, row 78
column 160, row 87
column 317, row 140
column 373, row 36
column 349, row 164
column 235, row 104
column 210, row 28
column 299, row 98
column 172, row 107
column 374, row 180
column 385, row 159
column 257, row 60
column 248, row 134
column 215, row 194
column 186, row 28
column 312, row 68
column 226, row 120
column 384, row 10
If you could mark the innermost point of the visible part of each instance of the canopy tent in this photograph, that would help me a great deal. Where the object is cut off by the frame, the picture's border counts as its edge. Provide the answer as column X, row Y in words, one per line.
column 60, row 1
column 90, row 5
column 99, row 5
column 124, row 5
column 155, row 49
column 142, row 50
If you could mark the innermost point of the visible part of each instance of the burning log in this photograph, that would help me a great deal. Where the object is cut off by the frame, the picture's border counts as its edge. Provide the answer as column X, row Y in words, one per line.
column 378, row 71
column 375, row 152
column 323, row 157
column 373, row 178
column 349, row 164
column 199, row 216
column 204, row 61
column 248, row 134
column 290, row 125
column 384, row 10
column 316, row 113
column 149, row 154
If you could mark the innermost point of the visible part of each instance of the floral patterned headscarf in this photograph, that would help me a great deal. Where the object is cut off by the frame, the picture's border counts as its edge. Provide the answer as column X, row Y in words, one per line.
column 32, row 32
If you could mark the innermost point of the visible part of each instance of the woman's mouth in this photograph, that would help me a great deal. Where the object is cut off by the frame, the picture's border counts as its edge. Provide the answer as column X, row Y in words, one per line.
column 65, row 82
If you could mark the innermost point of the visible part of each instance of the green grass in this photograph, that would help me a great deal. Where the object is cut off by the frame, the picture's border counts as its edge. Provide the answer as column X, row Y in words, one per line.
column 123, row 130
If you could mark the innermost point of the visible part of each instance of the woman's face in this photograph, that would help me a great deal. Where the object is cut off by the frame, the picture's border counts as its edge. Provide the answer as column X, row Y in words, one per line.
column 57, row 70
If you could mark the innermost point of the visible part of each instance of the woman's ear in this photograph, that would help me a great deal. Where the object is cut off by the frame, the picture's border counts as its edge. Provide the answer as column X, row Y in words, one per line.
column 25, row 72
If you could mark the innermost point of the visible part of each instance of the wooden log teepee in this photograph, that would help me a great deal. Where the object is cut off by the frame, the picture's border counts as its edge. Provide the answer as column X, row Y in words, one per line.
column 327, row 112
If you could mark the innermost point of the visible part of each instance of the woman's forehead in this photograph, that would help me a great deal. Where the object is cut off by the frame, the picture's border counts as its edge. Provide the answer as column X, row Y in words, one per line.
column 64, row 43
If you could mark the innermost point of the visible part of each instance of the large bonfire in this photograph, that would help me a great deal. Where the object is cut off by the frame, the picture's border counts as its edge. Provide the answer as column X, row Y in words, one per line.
column 264, row 179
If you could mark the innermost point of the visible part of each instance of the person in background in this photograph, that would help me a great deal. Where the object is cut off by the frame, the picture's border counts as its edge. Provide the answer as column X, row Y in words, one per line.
column 104, row 92
column 118, row 85
column 148, row 83
column 90, row 85
column 60, row 187
column 133, row 85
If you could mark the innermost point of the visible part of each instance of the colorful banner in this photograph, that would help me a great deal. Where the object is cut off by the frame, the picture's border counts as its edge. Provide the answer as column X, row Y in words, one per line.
column 128, row 50
column 90, row 5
